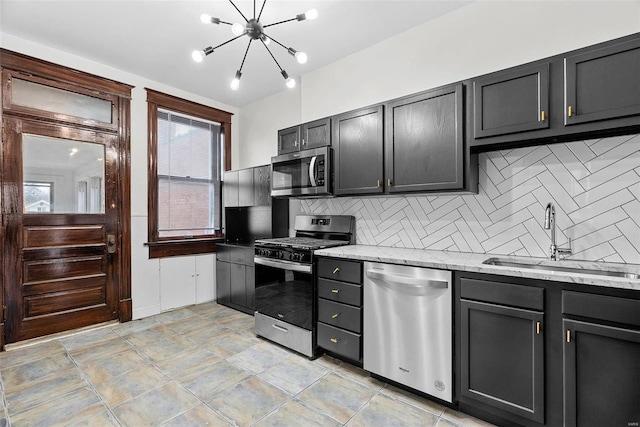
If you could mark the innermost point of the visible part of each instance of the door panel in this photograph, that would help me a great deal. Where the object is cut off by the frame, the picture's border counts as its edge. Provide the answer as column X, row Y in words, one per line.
column 65, row 274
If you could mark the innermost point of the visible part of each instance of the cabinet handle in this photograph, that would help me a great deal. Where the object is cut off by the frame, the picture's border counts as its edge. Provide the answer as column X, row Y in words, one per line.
column 334, row 340
column 303, row 142
column 336, row 270
column 388, row 182
column 538, row 327
column 568, row 335
column 295, row 143
column 335, row 291
column 379, row 183
column 334, row 316
column 570, row 111
column 543, row 116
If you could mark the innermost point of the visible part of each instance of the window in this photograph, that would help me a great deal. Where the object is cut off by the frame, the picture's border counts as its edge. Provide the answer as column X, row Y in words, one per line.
column 38, row 196
column 188, row 151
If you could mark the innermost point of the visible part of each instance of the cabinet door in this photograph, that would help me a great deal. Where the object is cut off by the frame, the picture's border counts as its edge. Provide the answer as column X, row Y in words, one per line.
column 358, row 145
column 603, row 83
column 245, row 187
column 230, row 189
column 205, row 280
column 223, row 281
column 502, row 358
column 177, row 282
column 601, row 375
column 262, row 186
column 250, row 287
column 316, row 134
column 289, row 140
column 238, row 292
column 512, row 101
column 424, row 141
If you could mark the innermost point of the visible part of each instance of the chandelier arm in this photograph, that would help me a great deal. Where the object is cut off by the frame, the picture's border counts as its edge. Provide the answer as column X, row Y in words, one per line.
column 245, row 55
column 281, row 22
column 277, row 42
column 261, row 9
column 228, row 41
column 239, row 11
column 274, row 58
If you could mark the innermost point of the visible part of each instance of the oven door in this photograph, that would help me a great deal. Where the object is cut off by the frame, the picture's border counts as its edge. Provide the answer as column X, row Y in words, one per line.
column 306, row 173
column 284, row 303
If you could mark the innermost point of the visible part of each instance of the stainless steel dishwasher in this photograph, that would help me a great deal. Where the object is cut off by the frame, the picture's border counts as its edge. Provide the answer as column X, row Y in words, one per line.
column 408, row 327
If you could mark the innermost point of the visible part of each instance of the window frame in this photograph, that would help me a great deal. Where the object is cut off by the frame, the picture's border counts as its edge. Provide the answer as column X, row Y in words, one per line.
column 174, row 246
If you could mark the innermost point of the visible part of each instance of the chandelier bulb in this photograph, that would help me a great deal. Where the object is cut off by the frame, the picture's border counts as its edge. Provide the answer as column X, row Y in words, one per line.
column 235, row 83
column 197, row 55
column 237, row 29
column 205, row 19
column 266, row 40
column 291, row 83
column 311, row 14
column 301, row 57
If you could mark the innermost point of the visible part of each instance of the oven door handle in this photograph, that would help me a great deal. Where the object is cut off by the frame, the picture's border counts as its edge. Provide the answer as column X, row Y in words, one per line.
column 283, row 265
column 312, row 171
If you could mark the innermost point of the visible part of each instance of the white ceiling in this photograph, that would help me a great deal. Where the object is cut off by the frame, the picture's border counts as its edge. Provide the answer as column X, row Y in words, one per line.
column 154, row 39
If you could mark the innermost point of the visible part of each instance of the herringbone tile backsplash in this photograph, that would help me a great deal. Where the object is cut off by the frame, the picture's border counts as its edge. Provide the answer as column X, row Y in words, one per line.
column 594, row 185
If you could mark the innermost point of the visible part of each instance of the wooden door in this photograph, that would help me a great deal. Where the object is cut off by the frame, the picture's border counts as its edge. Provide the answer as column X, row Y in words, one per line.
column 288, row 140
column 603, row 83
column 601, row 375
column 359, row 157
column 424, row 141
column 316, row 134
column 511, row 101
column 61, row 254
column 502, row 358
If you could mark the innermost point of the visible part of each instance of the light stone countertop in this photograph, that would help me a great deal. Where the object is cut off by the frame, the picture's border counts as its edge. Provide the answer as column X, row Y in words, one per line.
column 465, row 261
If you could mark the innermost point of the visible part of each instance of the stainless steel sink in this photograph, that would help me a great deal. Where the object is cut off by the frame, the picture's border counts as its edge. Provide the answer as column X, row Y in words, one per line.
column 506, row 262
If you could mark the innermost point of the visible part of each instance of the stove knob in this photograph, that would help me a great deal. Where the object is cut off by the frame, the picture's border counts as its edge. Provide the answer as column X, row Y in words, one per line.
column 295, row 257
column 280, row 254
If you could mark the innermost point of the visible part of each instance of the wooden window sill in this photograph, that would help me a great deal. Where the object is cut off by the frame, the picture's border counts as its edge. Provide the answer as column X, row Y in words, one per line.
column 168, row 248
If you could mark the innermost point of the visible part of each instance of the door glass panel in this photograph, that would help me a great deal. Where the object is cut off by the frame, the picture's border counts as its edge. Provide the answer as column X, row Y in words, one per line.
column 47, row 98
column 62, row 176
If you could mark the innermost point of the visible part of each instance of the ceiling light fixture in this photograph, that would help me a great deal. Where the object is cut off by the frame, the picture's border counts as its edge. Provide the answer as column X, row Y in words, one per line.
column 254, row 29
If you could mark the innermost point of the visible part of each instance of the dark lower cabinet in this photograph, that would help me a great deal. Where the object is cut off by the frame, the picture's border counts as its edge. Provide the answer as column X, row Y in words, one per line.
column 601, row 360
column 235, row 277
column 502, row 349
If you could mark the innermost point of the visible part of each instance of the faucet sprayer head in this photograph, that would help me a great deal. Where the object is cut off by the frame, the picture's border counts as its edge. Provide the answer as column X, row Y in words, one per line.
column 549, row 213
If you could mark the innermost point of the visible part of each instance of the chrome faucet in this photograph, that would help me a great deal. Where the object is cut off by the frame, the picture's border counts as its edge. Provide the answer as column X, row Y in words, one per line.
column 550, row 224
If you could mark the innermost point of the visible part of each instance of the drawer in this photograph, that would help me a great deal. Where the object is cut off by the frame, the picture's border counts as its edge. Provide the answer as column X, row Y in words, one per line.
column 602, row 307
column 502, row 293
column 236, row 254
column 337, row 269
column 340, row 315
column 343, row 292
column 339, row 341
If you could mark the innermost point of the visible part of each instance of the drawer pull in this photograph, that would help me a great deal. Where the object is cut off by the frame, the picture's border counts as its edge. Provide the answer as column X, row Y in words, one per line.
column 335, row 291
column 334, row 340
column 335, row 315
column 280, row 328
column 336, row 270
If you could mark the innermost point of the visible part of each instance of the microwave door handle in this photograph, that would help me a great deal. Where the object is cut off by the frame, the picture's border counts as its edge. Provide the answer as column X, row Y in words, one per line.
column 312, row 171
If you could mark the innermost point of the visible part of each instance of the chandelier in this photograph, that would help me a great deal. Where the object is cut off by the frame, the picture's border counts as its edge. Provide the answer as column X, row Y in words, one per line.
column 254, row 29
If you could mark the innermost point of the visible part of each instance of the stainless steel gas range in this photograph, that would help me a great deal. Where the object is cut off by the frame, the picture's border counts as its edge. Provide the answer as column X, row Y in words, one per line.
column 284, row 292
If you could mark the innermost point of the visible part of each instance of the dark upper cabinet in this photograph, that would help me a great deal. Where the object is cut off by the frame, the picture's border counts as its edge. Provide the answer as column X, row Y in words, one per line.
column 603, row 83
column 502, row 348
column 601, row 360
column 358, row 151
column 316, row 134
column 245, row 187
column 289, row 140
column 512, row 101
column 305, row 136
column 230, row 188
column 424, row 141
column 262, row 185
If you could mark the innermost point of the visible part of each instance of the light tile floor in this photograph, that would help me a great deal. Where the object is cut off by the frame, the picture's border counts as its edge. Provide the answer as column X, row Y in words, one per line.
column 195, row 366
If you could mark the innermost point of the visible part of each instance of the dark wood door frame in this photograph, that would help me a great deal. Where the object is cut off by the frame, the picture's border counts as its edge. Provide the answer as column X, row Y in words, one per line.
column 67, row 78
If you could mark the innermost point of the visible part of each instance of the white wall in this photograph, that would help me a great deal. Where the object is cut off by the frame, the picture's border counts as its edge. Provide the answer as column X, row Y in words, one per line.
column 480, row 38
column 145, row 286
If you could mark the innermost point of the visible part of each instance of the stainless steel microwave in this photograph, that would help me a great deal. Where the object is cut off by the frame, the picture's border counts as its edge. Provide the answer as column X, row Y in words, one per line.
column 304, row 173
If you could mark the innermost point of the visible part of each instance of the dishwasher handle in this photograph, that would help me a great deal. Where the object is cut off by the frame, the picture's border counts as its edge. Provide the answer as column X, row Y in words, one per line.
column 408, row 281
